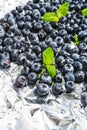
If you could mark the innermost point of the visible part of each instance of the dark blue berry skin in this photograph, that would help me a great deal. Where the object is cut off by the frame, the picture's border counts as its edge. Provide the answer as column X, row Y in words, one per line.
column 31, row 55
column 79, row 76
column 78, row 66
column 37, row 26
column 58, row 78
column 45, row 78
column 36, row 67
column 59, row 40
column 32, row 78
column 25, row 71
column 63, row 53
column 68, row 68
column 69, row 77
column 60, row 61
column 2, row 32
column 69, row 60
column 20, row 81
column 37, row 49
column 36, row 14
column 70, row 86
column 84, row 99
column 41, row 35
column 5, row 60
column 57, row 89
column 42, row 89
column 83, row 47
column 21, row 59
column 75, row 56
column 8, row 41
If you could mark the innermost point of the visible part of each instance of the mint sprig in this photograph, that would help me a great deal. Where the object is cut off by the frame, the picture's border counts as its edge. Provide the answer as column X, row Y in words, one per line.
column 84, row 12
column 63, row 10
column 51, row 69
column 48, row 56
column 48, row 60
column 50, row 17
column 76, row 39
column 55, row 17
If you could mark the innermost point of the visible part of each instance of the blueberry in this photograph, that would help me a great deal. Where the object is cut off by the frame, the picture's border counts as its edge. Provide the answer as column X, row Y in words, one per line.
column 62, row 32
column 14, row 54
column 28, row 25
column 59, row 41
column 17, row 39
column 42, row 11
column 63, row 53
column 47, row 27
column 25, row 71
column 67, row 47
column 32, row 78
column 84, row 99
column 5, row 60
column 69, row 60
column 69, row 77
column 36, row 67
column 41, row 35
column 20, row 81
column 31, row 55
column 57, row 89
column 84, row 63
column 58, row 78
column 21, row 59
column 45, row 78
column 68, row 68
column 8, row 41
column 60, row 61
column 36, row 49
column 53, row 44
column 20, row 24
column 25, row 32
column 82, row 35
column 75, row 56
column 70, row 86
column 42, row 89
column 54, row 33
column 78, row 66
column 2, row 32
column 36, row 14
column 83, row 47
column 79, row 76
column 19, row 9
column 10, row 34
column 37, row 26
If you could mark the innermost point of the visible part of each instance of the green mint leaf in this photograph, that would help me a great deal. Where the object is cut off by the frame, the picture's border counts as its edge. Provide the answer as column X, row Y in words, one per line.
column 51, row 69
column 63, row 10
column 84, row 12
column 50, row 17
column 76, row 38
column 48, row 56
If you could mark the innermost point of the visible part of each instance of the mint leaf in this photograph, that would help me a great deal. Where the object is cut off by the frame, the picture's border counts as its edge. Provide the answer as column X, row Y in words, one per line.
column 51, row 69
column 48, row 56
column 63, row 10
column 84, row 12
column 76, row 38
column 50, row 17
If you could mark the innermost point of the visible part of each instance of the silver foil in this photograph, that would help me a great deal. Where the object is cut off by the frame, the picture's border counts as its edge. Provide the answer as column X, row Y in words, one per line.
column 19, row 110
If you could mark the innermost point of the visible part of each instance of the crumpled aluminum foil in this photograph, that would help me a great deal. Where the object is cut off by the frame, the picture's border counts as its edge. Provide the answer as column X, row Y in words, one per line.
column 19, row 110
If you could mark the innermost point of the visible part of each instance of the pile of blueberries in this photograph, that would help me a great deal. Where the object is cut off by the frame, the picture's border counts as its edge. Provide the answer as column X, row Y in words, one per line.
column 24, row 37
